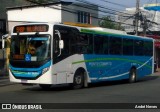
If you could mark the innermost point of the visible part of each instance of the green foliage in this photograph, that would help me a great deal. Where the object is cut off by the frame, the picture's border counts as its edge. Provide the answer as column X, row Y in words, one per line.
column 107, row 22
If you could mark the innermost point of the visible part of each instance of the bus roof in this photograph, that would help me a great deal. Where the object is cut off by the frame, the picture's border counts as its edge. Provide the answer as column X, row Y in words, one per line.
column 105, row 31
column 100, row 30
column 95, row 30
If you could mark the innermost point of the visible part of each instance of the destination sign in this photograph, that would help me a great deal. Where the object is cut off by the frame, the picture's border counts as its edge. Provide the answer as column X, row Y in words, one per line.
column 30, row 28
column 18, row 57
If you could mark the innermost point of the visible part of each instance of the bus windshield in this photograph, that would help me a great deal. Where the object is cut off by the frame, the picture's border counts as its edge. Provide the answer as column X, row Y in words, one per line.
column 30, row 48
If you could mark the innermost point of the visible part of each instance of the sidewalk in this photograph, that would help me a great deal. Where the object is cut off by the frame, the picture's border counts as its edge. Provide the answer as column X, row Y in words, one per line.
column 4, row 81
column 3, row 74
column 4, row 78
column 157, row 72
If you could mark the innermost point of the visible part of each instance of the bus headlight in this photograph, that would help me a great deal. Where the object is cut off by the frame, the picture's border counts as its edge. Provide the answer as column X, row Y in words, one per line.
column 45, row 70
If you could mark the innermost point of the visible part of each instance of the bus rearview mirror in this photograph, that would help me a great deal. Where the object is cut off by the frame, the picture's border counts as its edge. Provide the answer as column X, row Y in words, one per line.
column 61, row 44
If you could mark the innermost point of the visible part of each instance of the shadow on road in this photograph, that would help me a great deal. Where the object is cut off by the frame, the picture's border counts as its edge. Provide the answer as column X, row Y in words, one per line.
column 148, row 78
column 121, row 82
column 53, row 88
column 93, row 85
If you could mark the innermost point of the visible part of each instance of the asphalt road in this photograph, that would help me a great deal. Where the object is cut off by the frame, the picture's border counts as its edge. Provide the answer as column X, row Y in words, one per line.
column 147, row 90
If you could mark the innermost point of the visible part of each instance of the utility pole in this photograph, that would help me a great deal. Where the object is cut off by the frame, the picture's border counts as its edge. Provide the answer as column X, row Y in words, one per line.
column 137, row 17
column 145, row 26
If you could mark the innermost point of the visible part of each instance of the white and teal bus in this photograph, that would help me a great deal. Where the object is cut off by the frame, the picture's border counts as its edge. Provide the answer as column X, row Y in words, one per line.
column 50, row 54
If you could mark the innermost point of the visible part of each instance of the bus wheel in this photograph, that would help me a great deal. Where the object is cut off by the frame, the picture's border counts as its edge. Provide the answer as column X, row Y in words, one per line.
column 45, row 86
column 78, row 81
column 132, row 76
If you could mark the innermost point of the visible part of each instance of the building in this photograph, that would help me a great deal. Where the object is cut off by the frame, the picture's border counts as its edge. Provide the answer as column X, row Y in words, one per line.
column 4, row 26
column 59, row 12
column 3, row 17
column 127, row 19
column 152, row 25
column 15, row 12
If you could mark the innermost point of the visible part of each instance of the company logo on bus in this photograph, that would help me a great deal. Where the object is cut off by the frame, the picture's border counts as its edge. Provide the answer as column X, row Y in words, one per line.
column 30, row 28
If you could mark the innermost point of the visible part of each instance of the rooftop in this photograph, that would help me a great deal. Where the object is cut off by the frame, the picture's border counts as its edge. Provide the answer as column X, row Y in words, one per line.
column 63, row 2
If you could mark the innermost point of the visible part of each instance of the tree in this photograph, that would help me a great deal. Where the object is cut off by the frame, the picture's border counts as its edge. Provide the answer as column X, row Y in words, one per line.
column 107, row 22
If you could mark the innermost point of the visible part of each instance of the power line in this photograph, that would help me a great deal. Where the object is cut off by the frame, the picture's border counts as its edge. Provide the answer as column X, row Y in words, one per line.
column 100, row 6
column 121, row 5
column 91, row 7
column 75, row 12
column 135, row 15
column 95, row 9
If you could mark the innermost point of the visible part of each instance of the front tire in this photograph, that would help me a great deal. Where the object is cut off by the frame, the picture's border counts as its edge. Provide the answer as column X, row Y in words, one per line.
column 132, row 76
column 78, row 81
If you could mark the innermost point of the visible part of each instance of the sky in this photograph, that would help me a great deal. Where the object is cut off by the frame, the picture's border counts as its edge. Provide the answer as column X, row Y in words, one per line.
column 120, row 5
column 115, row 5
column 125, row 3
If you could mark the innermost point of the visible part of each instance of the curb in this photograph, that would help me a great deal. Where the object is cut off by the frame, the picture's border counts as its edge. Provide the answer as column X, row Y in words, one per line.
column 5, row 82
column 4, row 77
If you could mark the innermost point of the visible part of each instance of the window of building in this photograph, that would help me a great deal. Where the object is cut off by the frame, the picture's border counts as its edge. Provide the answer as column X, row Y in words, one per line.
column 84, row 17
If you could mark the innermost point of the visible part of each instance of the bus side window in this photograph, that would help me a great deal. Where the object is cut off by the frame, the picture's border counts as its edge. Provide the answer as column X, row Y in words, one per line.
column 127, row 46
column 56, row 44
column 85, row 43
column 100, row 44
column 148, row 48
column 115, row 46
column 73, row 41
column 138, row 48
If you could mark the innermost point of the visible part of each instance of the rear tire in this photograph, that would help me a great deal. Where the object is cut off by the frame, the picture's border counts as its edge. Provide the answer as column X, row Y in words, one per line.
column 132, row 76
column 78, row 81
column 45, row 86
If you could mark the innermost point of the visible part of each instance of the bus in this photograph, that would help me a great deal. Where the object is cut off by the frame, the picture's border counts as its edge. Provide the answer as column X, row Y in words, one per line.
column 49, row 54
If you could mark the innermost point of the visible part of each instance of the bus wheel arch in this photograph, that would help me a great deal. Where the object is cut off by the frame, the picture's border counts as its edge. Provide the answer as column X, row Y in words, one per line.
column 80, row 79
column 133, row 75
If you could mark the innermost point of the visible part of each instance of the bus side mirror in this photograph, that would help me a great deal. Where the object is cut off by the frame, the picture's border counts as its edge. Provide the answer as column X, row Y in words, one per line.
column 61, row 44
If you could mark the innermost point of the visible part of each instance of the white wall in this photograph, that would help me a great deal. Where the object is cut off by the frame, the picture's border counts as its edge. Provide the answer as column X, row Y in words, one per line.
column 34, row 14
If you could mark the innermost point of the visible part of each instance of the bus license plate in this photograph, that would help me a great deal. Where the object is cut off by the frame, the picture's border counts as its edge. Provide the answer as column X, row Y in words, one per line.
column 24, row 81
